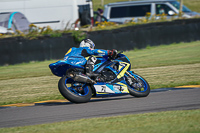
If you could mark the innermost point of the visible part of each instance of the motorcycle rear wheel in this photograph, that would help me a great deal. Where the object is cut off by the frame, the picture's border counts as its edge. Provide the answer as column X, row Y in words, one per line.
column 141, row 88
column 72, row 93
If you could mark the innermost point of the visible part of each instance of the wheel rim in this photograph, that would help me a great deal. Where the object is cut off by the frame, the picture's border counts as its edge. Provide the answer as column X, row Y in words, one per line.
column 79, row 89
column 140, row 86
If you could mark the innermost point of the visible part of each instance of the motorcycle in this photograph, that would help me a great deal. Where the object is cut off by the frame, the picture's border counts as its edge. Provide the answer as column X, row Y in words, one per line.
column 115, row 78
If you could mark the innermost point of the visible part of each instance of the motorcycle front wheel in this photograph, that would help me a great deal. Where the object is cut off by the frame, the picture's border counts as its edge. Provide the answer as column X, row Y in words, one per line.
column 139, row 86
column 73, row 91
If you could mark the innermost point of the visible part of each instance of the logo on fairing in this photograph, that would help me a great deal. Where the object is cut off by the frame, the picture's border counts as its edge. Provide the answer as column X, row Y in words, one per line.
column 101, row 52
column 103, row 88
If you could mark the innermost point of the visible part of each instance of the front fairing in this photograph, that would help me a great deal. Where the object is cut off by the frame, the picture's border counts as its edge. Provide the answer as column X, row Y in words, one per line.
column 107, row 60
column 111, row 89
column 118, row 86
column 123, row 58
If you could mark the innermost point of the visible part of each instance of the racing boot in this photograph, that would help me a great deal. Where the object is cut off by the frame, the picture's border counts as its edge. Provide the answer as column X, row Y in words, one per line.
column 100, row 79
column 89, row 71
column 90, row 66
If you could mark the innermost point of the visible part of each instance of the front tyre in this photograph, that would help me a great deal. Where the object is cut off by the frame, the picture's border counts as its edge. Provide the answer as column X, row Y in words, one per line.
column 73, row 91
column 138, row 86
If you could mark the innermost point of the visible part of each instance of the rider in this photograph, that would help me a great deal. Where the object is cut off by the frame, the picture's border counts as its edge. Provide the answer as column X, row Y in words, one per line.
column 76, row 56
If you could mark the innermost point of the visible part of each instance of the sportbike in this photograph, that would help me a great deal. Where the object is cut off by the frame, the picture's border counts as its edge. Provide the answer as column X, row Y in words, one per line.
column 114, row 78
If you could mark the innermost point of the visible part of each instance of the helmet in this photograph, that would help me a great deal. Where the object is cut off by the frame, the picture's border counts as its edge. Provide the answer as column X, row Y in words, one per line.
column 87, row 43
column 100, row 10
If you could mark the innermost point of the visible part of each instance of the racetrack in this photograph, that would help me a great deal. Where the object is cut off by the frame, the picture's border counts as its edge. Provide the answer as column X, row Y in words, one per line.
column 158, row 100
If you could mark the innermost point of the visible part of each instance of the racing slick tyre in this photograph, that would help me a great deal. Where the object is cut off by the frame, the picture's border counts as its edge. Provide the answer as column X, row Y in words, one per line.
column 74, row 92
column 140, row 87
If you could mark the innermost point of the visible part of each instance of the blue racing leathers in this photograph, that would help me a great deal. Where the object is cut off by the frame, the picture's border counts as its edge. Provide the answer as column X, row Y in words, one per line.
column 76, row 56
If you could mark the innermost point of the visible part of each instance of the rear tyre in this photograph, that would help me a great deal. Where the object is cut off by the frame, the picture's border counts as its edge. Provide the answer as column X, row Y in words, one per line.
column 74, row 92
column 140, row 87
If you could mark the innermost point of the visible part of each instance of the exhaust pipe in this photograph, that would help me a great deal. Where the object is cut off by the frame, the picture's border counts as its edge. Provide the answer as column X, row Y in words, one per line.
column 81, row 78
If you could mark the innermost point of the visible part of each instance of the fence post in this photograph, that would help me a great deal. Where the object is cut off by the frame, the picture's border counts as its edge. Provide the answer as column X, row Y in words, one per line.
column 102, row 2
column 181, row 7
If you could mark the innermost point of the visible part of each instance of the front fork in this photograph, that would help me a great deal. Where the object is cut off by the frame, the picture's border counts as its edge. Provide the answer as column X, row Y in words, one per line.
column 132, row 81
column 130, row 76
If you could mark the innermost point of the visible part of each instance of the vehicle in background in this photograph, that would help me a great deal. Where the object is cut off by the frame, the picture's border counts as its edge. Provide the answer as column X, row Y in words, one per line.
column 54, row 13
column 121, row 12
column 10, row 22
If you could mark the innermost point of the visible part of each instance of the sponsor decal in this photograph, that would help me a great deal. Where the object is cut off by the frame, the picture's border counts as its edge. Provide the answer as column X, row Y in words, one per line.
column 101, row 52
column 69, row 51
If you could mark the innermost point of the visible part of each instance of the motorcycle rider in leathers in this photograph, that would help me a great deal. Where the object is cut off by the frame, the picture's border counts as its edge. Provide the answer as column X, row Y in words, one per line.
column 77, row 56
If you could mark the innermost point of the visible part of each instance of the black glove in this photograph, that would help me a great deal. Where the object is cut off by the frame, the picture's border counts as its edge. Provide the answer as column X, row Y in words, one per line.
column 112, row 53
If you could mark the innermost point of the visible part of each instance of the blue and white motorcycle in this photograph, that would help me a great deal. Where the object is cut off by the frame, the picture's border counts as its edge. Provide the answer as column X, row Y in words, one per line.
column 115, row 78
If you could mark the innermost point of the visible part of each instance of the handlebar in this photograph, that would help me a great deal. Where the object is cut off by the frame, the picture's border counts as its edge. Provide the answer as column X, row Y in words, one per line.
column 120, row 52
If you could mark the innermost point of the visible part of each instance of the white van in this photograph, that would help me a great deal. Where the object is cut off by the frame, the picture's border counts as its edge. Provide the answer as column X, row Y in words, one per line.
column 122, row 11
column 55, row 13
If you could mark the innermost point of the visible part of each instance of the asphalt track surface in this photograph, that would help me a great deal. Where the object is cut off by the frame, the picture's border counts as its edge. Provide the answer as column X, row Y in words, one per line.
column 158, row 100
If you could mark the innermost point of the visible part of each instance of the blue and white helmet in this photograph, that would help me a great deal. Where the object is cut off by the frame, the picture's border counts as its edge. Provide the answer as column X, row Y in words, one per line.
column 87, row 43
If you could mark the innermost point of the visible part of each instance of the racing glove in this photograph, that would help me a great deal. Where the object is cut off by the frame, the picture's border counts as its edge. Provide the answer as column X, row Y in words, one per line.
column 112, row 53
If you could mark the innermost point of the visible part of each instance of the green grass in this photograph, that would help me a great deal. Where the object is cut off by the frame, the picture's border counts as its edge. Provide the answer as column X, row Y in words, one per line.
column 171, row 76
column 162, row 66
column 192, row 4
column 24, row 70
column 164, row 55
column 162, row 122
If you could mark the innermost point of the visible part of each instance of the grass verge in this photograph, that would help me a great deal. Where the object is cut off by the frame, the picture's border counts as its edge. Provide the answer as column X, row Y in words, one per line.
column 162, row 66
column 165, row 122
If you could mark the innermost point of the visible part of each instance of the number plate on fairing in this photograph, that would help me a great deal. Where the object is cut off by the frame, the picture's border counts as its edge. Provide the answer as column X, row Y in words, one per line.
column 107, row 88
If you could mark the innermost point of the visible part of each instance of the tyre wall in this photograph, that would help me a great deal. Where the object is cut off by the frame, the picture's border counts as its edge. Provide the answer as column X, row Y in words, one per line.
column 18, row 50
column 153, row 34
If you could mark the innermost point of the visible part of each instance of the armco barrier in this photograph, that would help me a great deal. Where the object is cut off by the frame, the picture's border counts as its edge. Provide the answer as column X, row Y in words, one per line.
column 18, row 50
